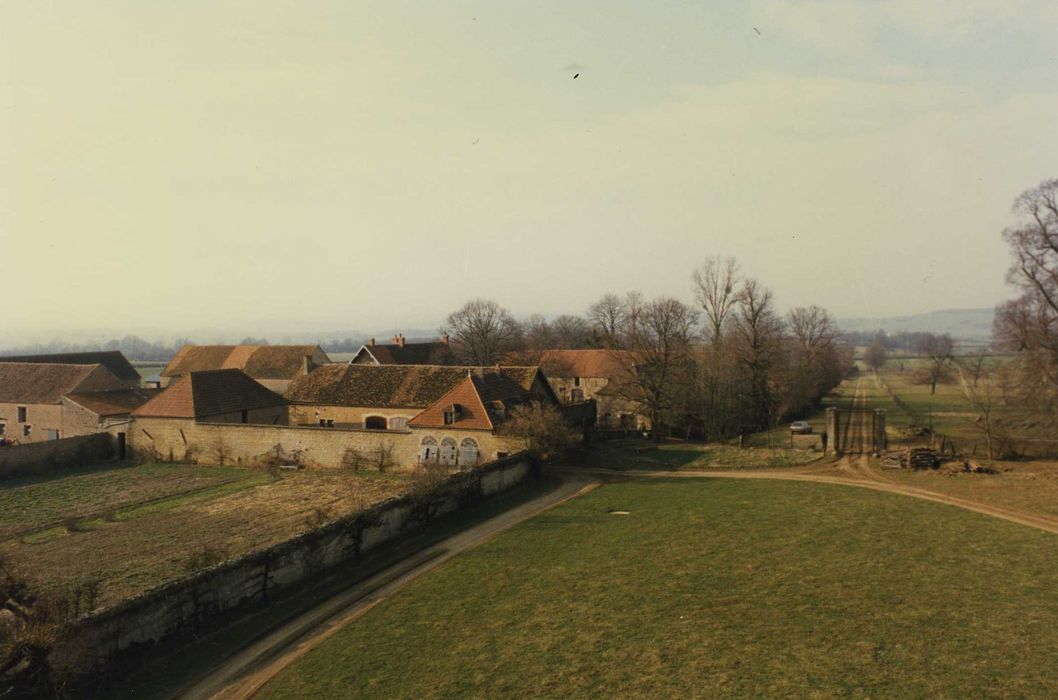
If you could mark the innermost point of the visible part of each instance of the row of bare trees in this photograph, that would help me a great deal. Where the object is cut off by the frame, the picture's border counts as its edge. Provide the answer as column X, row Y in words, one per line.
column 726, row 364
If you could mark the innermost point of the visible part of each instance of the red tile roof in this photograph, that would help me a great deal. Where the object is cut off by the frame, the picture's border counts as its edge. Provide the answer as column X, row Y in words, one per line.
column 209, row 393
column 480, row 401
column 257, row 361
column 608, row 364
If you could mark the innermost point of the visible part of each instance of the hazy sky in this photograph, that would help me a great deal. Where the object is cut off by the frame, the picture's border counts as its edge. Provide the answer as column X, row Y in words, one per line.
column 318, row 165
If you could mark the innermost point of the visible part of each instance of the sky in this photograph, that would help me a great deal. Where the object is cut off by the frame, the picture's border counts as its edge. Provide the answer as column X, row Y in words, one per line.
column 269, row 166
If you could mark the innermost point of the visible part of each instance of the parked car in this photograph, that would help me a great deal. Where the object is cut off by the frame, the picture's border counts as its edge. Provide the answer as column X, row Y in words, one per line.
column 800, row 426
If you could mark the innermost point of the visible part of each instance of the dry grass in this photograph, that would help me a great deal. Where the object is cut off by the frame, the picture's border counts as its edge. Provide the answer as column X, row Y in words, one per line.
column 156, row 530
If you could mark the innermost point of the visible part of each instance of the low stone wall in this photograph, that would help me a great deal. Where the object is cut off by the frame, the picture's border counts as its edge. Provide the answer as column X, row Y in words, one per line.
column 43, row 457
column 185, row 604
column 185, row 440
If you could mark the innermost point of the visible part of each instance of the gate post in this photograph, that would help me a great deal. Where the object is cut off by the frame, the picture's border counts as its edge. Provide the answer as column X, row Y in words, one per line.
column 880, row 439
column 833, row 431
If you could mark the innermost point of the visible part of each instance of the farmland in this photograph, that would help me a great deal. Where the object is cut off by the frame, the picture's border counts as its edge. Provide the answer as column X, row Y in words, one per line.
column 715, row 587
column 134, row 527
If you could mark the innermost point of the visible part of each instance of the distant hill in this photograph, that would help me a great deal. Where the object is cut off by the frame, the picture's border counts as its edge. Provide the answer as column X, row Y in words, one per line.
column 962, row 324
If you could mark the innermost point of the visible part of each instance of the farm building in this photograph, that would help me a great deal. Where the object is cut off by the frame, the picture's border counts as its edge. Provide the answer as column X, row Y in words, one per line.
column 400, row 352
column 593, row 374
column 114, row 360
column 33, row 399
column 387, row 397
column 274, row 366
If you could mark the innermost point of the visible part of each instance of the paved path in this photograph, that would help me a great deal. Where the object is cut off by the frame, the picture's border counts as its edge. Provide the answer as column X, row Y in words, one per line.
column 241, row 675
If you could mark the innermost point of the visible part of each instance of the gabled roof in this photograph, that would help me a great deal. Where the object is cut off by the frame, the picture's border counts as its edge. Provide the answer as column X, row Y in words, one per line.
column 393, row 386
column 47, row 383
column 479, row 402
column 608, row 364
column 432, row 353
column 113, row 403
column 258, row 361
column 209, row 393
column 113, row 360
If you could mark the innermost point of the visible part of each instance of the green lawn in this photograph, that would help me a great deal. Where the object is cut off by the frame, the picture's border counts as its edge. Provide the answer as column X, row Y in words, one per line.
column 716, row 588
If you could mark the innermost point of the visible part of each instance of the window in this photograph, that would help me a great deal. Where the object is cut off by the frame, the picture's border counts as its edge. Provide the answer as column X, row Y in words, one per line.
column 448, row 451
column 468, row 452
column 326, row 422
column 21, row 414
column 375, row 423
column 452, row 414
column 3, row 428
column 428, row 450
column 245, row 416
column 501, row 455
column 398, row 423
column 26, row 430
column 576, row 381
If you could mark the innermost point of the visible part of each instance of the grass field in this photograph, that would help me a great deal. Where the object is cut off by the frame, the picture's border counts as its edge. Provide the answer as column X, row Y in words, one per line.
column 716, row 588
column 689, row 456
column 135, row 527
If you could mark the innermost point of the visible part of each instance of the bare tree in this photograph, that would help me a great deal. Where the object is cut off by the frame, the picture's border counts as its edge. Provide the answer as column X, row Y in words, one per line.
column 482, row 332
column 876, row 354
column 608, row 315
column 1028, row 324
column 758, row 347
column 541, row 428
column 938, row 349
column 813, row 328
column 653, row 349
column 570, row 331
column 716, row 289
column 538, row 333
column 983, row 397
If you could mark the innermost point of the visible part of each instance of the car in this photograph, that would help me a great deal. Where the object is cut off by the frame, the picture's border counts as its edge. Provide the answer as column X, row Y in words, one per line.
column 800, row 426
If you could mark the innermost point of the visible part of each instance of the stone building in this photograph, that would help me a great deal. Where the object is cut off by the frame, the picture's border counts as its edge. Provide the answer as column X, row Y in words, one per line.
column 274, row 366
column 594, row 374
column 216, row 396
column 387, row 397
column 33, row 395
column 401, row 352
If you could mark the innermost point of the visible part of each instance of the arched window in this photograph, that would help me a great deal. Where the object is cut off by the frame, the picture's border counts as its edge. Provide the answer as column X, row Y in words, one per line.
column 428, row 450
column 468, row 452
column 398, row 423
column 375, row 422
column 448, row 451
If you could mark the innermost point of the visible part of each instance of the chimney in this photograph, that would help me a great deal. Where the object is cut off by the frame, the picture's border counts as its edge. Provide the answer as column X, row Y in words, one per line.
column 444, row 338
column 305, row 364
column 398, row 340
column 371, row 343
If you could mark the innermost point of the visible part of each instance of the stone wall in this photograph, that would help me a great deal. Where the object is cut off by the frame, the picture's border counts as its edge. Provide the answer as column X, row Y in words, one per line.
column 43, row 457
column 184, row 440
column 186, row 604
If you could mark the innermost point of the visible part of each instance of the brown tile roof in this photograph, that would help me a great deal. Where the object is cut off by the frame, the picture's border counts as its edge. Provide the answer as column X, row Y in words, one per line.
column 481, row 402
column 434, row 353
column 29, row 382
column 258, row 361
column 391, row 386
column 209, row 393
column 113, row 360
column 113, row 403
column 609, row 364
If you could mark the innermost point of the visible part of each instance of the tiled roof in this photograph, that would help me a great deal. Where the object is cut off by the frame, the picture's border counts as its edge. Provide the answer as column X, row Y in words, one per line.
column 609, row 364
column 113, row 360
column 434, row 353
column 113, row 403
column 31, row 382
column 209, row 393
column 391, row 386
column 258, row 361
column 480, row 402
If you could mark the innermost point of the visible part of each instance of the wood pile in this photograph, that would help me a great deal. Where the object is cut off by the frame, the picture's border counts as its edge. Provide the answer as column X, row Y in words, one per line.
column 913, row 458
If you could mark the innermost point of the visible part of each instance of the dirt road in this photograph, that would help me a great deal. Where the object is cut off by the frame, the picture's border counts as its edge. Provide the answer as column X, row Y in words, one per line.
column 246, row 671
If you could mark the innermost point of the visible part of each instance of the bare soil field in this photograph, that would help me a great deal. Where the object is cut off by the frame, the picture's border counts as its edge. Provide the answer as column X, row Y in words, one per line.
column 133, row 528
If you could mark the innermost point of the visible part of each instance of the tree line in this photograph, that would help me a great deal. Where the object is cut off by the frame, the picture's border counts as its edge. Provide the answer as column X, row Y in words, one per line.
column 724, row 364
